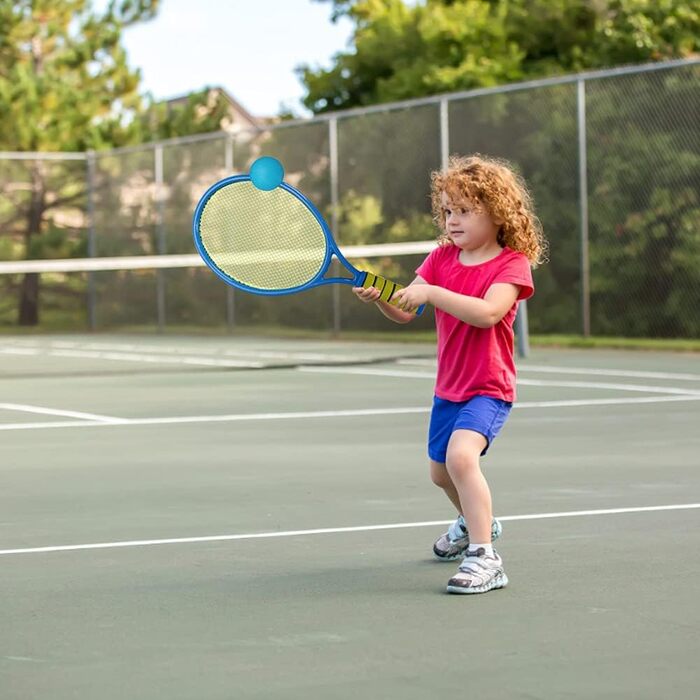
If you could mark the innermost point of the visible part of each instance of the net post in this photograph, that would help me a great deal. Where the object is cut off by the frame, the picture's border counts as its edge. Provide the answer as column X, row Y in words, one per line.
column 522, row 332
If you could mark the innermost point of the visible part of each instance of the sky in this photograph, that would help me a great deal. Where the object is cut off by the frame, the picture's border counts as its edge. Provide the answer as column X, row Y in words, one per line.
column 248, row 47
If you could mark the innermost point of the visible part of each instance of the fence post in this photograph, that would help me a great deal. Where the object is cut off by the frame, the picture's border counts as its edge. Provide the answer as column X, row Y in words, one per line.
column 444, row 133
column 228, row 154
column 583, row 203
column 91, row 242
column 230, row 296
column 333, row 148
column 160, row 234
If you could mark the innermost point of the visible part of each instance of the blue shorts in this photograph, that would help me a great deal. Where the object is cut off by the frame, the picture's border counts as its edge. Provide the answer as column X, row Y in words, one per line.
column 482, row 414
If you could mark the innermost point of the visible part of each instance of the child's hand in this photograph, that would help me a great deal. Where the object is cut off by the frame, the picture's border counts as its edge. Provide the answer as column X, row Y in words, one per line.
column 366, row 295
column 411, row 297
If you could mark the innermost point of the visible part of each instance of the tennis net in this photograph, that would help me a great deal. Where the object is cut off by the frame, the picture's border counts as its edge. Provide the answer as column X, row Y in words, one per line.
column 178, row 291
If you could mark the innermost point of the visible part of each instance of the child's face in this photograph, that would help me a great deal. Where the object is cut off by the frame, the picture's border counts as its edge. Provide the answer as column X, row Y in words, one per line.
column 468, row 224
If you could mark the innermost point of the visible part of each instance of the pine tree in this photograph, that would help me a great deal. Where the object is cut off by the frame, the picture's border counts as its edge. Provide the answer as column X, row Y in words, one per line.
column 64, row 86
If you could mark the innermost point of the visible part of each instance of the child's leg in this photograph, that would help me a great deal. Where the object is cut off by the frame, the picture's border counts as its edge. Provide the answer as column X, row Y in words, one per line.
column 441, row 478
column 464, row 471
column 454, row 543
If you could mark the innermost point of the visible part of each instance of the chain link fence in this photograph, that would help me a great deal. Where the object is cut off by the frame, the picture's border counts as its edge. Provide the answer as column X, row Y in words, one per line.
column 612, row 159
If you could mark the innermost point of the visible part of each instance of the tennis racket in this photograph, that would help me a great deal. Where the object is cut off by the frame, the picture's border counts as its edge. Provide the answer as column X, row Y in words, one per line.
column 261, row 235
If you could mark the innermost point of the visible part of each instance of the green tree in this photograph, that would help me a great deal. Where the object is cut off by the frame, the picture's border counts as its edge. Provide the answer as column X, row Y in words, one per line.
column 64, row 80
column 404, row 50
column 201, row 112
column 643, row 166
column 64, row 86
column 644, row 202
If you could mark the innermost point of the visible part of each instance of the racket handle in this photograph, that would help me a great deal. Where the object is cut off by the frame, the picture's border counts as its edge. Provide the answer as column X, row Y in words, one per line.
column 386, row 288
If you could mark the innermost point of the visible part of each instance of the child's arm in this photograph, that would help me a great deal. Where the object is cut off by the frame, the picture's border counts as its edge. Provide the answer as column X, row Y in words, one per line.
column 391, row 312
column 482, row 313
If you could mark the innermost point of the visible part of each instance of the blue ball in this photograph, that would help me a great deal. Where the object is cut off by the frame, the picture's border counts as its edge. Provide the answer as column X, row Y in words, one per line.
column 266, row 173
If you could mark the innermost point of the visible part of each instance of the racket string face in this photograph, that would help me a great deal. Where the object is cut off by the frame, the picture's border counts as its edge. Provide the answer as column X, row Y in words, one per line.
column 266, row 240
column 261, row 235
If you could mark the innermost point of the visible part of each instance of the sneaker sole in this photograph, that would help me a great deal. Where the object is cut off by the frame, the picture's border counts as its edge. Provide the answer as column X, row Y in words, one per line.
column 500, row 581
column 452, row 557
column 496, row 530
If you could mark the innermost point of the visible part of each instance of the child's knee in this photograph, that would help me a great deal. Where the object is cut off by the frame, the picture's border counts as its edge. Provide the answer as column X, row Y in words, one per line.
column 463, row 451
column 439, row 475
column 462, row 461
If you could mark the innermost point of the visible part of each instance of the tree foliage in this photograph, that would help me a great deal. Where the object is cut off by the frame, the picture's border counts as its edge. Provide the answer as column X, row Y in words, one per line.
column 65, row 85
column 643, row 163
column 64, row 80
column 403, row 50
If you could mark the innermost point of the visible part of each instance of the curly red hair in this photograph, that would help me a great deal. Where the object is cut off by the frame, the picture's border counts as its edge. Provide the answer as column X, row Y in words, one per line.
column 491, row 184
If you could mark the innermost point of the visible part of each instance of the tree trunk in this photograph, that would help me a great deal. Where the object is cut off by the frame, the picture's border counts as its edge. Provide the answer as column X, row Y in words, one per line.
column 29, row 300
column 28, row 312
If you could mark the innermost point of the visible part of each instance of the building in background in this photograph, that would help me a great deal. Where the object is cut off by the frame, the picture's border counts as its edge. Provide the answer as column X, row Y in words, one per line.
column 237, row 119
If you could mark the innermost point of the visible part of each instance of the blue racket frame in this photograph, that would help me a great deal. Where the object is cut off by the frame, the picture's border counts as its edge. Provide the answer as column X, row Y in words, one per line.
column 358, row 276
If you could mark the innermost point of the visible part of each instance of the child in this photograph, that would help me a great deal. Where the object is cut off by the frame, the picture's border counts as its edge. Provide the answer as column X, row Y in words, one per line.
column 490, row 237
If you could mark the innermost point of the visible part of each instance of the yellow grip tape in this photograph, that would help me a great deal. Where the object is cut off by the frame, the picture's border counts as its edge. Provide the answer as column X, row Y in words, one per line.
column 386, row 287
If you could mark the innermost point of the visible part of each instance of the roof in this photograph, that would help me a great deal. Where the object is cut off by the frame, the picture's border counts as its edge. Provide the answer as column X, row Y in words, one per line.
column 235, row 105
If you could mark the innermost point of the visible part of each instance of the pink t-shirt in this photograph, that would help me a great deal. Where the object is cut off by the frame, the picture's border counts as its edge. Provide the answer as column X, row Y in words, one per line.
column 475, row 361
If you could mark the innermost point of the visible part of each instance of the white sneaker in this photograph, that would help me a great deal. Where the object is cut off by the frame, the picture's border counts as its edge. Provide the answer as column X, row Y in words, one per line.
column 454, row 543
column 478, row 573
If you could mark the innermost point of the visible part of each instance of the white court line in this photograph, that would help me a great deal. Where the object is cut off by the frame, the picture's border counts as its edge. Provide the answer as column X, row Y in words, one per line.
column 522, row 382
column 170, row 420
column 609, row 372
column 575, row 370
column 18, row 351
column 225, row 418
column 145, row 353
column 368, row 371
column 606, row 385
column 334, row 530
column 56, row 412
column 33, row 347
column 226, row 359
column 156, row 359
column 606, row 402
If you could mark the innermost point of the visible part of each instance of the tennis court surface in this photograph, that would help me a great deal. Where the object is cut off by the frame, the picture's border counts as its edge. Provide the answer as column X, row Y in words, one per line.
column 190, row 517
